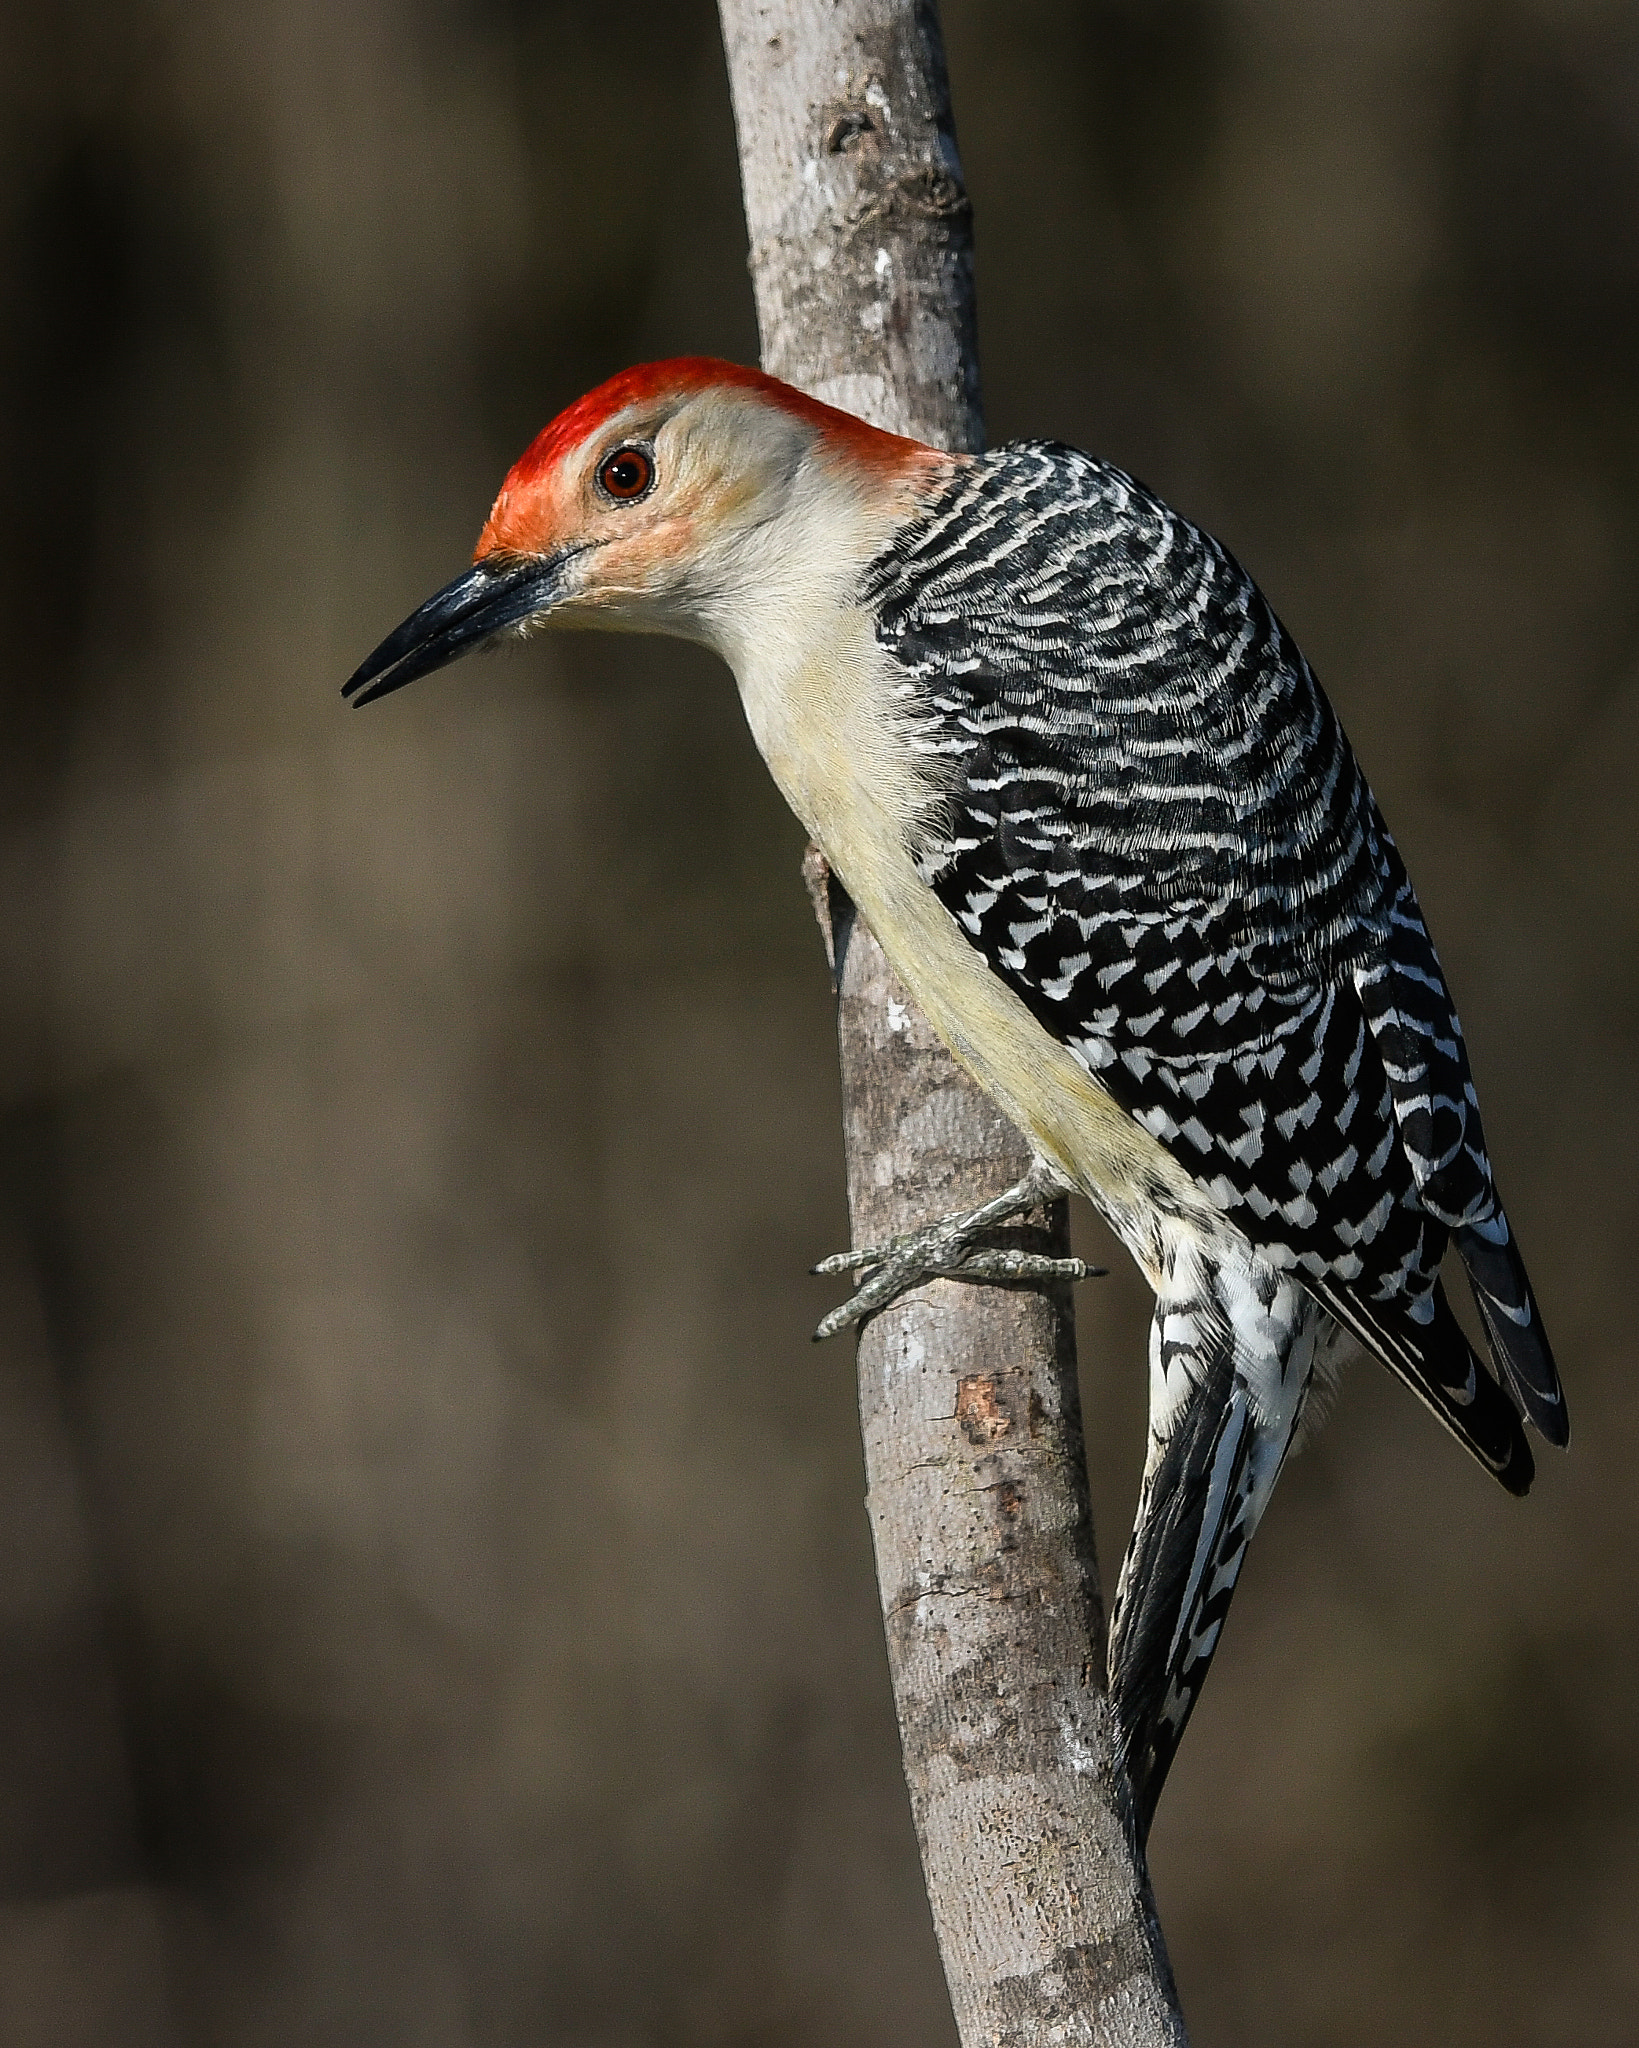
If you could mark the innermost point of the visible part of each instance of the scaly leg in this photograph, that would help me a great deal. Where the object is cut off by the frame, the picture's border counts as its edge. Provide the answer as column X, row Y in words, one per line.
column 944, row 1251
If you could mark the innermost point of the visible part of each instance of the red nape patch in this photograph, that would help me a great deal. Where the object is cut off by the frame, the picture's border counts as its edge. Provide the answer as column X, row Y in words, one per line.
column 684, row 376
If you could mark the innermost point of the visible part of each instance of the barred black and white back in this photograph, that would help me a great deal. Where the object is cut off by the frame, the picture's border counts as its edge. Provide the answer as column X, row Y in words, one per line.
column 1146, row 817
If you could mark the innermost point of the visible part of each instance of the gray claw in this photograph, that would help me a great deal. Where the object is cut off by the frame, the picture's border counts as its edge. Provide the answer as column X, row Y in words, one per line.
column 939, row 1251
column 1017, row 1266
column 899, row 1268
column 849, row 1262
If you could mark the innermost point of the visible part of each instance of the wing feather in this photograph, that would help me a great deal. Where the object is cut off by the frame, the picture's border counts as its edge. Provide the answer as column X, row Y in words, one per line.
column 1147, row 818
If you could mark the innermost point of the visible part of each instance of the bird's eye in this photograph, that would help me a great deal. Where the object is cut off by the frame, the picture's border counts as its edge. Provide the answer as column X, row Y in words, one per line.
column 627, row 474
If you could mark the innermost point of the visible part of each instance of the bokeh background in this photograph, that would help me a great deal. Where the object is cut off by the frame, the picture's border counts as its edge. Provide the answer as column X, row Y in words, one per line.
column 435, row 1600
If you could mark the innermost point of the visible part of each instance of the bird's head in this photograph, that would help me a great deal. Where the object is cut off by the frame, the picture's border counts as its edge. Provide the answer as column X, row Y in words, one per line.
column 691, row 497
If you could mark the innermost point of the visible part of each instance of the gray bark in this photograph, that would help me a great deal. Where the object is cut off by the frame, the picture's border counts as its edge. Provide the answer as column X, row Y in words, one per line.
column 862, row 260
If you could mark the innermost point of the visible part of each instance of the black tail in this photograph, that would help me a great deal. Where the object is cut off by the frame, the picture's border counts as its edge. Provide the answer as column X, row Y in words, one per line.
column 1519, row 1343
column 1439, row 1365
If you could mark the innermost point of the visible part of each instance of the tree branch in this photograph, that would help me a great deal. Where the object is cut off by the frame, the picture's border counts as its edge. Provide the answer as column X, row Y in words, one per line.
column 862, row 259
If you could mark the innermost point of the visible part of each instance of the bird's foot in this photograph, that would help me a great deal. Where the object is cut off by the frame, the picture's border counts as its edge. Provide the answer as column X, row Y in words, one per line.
column 945, row 1250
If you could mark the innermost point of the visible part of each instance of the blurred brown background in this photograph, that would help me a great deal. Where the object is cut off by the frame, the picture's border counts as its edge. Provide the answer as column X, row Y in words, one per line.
column 435, row 1600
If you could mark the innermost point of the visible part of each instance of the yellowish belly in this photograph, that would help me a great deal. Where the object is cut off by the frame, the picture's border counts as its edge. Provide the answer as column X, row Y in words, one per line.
column 830, row 734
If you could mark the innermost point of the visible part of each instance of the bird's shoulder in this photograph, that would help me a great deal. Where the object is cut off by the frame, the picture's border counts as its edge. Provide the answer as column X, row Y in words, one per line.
column 1106, row 704
column 1021, row 543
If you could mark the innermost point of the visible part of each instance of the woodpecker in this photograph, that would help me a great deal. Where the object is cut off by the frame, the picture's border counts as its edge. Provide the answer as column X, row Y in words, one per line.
column 1090, row 797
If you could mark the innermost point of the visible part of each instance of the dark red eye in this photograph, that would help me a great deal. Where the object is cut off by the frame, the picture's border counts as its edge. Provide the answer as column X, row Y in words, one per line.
column 627, row 473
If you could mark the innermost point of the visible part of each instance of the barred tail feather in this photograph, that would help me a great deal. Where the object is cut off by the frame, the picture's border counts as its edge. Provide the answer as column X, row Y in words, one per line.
column 1234, row 1349
column 1177, row 1579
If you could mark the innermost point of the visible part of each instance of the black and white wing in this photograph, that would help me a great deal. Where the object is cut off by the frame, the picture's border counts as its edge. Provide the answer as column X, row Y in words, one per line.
column 1152, row 826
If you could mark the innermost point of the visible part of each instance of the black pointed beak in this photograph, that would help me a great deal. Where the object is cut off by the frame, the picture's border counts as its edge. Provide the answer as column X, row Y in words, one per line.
column 464, row 614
